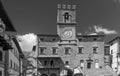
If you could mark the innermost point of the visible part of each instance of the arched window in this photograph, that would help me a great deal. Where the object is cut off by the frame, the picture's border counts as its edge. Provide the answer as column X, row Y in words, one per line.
column 1, row 56
column 52, row 63
column 96, row 63
column 45, row 63
column 82, row 64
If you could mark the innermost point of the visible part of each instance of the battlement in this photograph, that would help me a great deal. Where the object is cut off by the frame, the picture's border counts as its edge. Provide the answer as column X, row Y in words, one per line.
column 63, row 6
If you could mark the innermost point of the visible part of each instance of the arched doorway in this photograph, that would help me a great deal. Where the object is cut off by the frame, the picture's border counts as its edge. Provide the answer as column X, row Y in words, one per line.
column 53, row 74
column 44, row 75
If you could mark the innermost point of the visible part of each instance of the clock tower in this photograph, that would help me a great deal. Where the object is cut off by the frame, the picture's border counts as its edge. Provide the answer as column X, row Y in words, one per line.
column 66, row 22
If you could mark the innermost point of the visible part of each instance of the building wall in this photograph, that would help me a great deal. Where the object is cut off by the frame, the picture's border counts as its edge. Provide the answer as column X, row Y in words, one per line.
column 114, row 50
column 2, row 63
column 73, row 57
column 1, row 71
column 14, row 60
column 68, row 50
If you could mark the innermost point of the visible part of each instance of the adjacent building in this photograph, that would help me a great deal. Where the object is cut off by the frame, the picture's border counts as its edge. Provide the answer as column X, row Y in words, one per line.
column 10, row 52
column 115, row 54
column 2, row 56
column 15, row 59
column 67, row 53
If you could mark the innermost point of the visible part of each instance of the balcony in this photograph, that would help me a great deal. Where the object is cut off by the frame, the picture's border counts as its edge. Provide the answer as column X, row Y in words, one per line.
column 50, row 62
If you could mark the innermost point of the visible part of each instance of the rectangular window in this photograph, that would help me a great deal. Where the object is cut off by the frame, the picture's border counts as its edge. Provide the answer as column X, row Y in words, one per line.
column 118, row 63
column 89, row 65
column 106, row 50
column 1, row 55
column 96, row 63
column 14, row 66
column 111, row 51
column 10, row 63
column 54, row 50
column 42, row 50
column 80, row 50
column 45, row 63
column 67, row 50
column 82, row 64
column 95, row 51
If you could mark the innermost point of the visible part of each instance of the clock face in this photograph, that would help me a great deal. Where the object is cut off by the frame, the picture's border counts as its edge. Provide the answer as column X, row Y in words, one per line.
column 67, row 33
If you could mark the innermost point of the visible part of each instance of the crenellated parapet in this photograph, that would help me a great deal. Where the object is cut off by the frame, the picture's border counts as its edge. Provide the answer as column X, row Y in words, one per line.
column 69, row 7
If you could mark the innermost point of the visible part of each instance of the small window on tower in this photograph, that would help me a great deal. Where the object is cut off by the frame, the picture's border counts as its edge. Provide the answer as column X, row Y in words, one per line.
column 95, row 51
column 67, row 50
column 80, row 50
column 66, row 17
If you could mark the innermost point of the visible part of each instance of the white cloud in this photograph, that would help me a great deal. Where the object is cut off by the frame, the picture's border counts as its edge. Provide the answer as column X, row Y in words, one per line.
column 27, row 41
column 116, row 1
column 106, row 31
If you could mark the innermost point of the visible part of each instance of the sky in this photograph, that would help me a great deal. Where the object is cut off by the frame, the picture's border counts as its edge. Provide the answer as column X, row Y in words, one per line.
column 27, row 41
column 39, row 16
